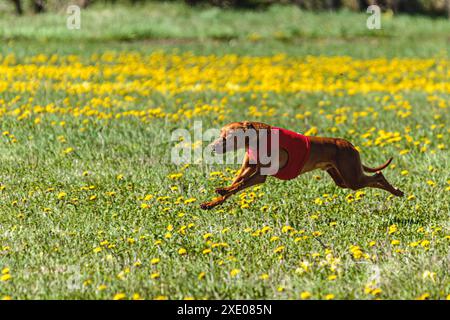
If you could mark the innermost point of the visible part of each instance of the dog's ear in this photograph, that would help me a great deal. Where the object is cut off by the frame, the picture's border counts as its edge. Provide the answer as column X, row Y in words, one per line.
column 248, row 125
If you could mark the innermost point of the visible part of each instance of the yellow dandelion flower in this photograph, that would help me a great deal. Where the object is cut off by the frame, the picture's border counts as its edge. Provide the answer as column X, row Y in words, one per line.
column 235, row 272
column 190, row 200
column 136, row 296
column 5, row 277
column 119, row 296
column 97, row 250
column 305, row 295
column 201, row 275
column 278, row 249
column 376, row 291
column 62, row 195
column 425, row 243
column 137, row 264
column 206, row 236
column 392, row 229
column 68, row 150
column 424, row 296
column 175, row 176
column 264, row 276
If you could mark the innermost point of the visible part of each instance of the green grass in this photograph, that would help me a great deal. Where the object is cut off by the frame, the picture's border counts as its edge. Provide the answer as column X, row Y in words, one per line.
column 211, row 30
column 50, row 223
column 178, row 21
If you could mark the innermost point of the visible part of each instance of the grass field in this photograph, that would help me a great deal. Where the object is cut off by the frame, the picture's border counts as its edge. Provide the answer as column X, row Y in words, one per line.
column 91, row 206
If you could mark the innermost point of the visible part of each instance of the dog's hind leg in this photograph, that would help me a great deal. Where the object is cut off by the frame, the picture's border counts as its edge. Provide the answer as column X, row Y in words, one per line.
column 336, row 177
column 381, row 183
column 351, row 171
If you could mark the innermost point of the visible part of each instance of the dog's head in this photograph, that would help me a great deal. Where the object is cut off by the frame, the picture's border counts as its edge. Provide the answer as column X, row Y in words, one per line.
column 236, row 135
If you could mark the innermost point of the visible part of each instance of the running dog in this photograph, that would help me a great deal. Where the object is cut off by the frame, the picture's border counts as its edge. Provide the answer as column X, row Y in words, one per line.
column 297, row 154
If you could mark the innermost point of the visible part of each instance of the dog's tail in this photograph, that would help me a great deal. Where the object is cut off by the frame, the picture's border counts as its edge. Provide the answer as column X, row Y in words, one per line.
column 384, row 165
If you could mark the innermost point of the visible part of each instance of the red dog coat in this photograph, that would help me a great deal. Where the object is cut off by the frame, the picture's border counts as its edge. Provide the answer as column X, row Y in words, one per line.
column 296, row 145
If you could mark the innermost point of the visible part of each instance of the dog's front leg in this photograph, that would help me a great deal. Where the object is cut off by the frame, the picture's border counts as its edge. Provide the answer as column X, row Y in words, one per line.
column 255, row 179
column 245, row 172
column 214, row 203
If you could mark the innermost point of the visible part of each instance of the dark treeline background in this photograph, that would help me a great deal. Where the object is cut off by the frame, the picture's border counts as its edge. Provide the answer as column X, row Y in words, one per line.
column 428, row 7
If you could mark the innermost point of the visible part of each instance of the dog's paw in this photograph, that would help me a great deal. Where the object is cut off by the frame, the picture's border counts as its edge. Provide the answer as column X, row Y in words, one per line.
column 399, row 193
column 206, row 205
column 211, row 204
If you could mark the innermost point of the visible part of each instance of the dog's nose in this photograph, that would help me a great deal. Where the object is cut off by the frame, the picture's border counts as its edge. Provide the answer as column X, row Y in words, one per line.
column 217, row 144
column 212, row 147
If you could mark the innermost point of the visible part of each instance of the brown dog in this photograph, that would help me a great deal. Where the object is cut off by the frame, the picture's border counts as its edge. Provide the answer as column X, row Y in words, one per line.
column 337, row 156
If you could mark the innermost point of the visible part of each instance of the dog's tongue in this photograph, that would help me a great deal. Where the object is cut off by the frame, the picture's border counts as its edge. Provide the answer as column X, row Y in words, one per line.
column 252, row 155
